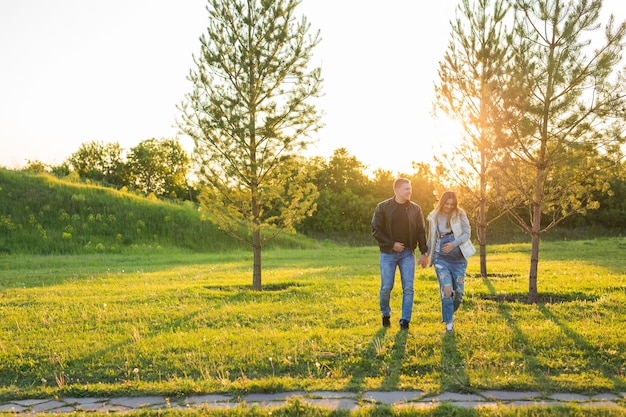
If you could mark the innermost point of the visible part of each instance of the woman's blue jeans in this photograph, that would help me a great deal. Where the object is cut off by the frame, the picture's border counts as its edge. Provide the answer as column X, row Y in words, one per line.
column 405, row 262
column 450, row 273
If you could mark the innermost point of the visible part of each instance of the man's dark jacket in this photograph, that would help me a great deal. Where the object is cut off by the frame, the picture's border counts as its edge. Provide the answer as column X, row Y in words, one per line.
column 381, row 225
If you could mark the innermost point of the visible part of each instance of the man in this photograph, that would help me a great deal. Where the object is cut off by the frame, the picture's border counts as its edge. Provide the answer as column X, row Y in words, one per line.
column 398, row 226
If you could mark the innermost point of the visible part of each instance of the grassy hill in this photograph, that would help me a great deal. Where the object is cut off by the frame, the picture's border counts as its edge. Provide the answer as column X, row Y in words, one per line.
column 41, row 214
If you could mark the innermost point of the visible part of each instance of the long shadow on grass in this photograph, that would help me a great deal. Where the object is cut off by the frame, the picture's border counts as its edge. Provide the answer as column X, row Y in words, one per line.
column 370, row 363
column 393, row 370
column 595, row 356
column 520, row 341
column 454, row 375
column 96, row 356
column 543, row 298
column 377, row 360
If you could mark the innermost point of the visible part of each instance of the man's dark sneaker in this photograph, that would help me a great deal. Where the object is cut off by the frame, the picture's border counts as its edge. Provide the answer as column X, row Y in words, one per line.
column 404, row 325
column 386, row 321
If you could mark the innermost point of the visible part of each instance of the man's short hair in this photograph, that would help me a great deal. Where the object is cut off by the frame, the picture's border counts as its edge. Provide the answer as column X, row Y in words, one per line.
column 400, row 181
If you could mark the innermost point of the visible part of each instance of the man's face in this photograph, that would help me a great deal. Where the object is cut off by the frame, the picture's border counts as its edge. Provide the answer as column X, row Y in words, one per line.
column 403, row 193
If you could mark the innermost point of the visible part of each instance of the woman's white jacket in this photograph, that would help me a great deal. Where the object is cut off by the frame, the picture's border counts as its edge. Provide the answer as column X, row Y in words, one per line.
column 460, row 226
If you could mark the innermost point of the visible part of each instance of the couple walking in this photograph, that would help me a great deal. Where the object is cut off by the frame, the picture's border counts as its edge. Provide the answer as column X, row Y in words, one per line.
column 398, row 226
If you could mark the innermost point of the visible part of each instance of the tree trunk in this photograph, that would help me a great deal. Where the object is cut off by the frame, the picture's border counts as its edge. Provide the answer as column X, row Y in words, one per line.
column 534, row 262
column 256, row 268
column 536, row 237
column 482, row 241
column 482, row 219
column 484, row 145
column 256, row 240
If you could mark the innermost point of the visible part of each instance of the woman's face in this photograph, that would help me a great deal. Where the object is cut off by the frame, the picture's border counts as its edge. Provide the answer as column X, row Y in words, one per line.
column 448, row 206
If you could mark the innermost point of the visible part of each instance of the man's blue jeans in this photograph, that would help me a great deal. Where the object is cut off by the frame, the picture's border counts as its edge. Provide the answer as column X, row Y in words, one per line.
column 405, row 262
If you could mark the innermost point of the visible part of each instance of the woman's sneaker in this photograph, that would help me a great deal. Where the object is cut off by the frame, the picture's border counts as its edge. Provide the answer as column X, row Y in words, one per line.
column 449, row 327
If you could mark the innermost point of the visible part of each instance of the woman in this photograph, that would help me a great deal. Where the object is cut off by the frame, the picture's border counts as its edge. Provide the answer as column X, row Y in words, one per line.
column 449, row 246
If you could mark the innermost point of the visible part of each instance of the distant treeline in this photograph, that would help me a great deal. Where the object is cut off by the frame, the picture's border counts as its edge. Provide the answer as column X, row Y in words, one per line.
column 348, row 189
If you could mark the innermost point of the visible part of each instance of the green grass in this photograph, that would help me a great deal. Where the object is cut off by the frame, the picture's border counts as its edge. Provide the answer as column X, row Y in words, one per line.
column 175, row 323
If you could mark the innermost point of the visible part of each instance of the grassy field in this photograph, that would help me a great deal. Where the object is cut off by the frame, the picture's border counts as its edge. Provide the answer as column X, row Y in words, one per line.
column 175, row 323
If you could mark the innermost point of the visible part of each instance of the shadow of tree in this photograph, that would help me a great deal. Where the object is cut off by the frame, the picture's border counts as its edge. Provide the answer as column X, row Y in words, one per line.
column 596, row 356
column 504, row 310
column 543, row 297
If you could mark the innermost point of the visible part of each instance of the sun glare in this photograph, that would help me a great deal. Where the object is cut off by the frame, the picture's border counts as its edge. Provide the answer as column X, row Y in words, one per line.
column 447, row 134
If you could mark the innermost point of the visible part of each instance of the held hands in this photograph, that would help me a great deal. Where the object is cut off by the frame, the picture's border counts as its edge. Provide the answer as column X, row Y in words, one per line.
column 423, row 261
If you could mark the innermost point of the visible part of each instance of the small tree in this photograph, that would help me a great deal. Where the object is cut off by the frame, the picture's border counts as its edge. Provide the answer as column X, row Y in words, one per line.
column 36, row 167
column 99, row 162
column 425, row 184
column 248, row 115
column 565, row 104
column 469, row 91
column 345, row 203
column 159, row 167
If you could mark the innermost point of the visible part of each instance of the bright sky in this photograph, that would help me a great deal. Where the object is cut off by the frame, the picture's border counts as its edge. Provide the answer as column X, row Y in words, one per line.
column 76, row 71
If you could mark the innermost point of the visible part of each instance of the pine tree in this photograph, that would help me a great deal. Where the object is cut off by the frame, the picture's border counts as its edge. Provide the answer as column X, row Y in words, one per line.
column 565, row 106
column 471, row 77
column 249, row 116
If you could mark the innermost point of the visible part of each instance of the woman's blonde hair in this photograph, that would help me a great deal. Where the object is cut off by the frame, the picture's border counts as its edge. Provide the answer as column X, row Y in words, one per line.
column 442, row 200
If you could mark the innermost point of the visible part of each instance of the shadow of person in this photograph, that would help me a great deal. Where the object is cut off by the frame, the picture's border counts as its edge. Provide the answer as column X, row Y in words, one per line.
column 454, row 377
column 381, row 359
column 393, row 370
column 371, row 363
